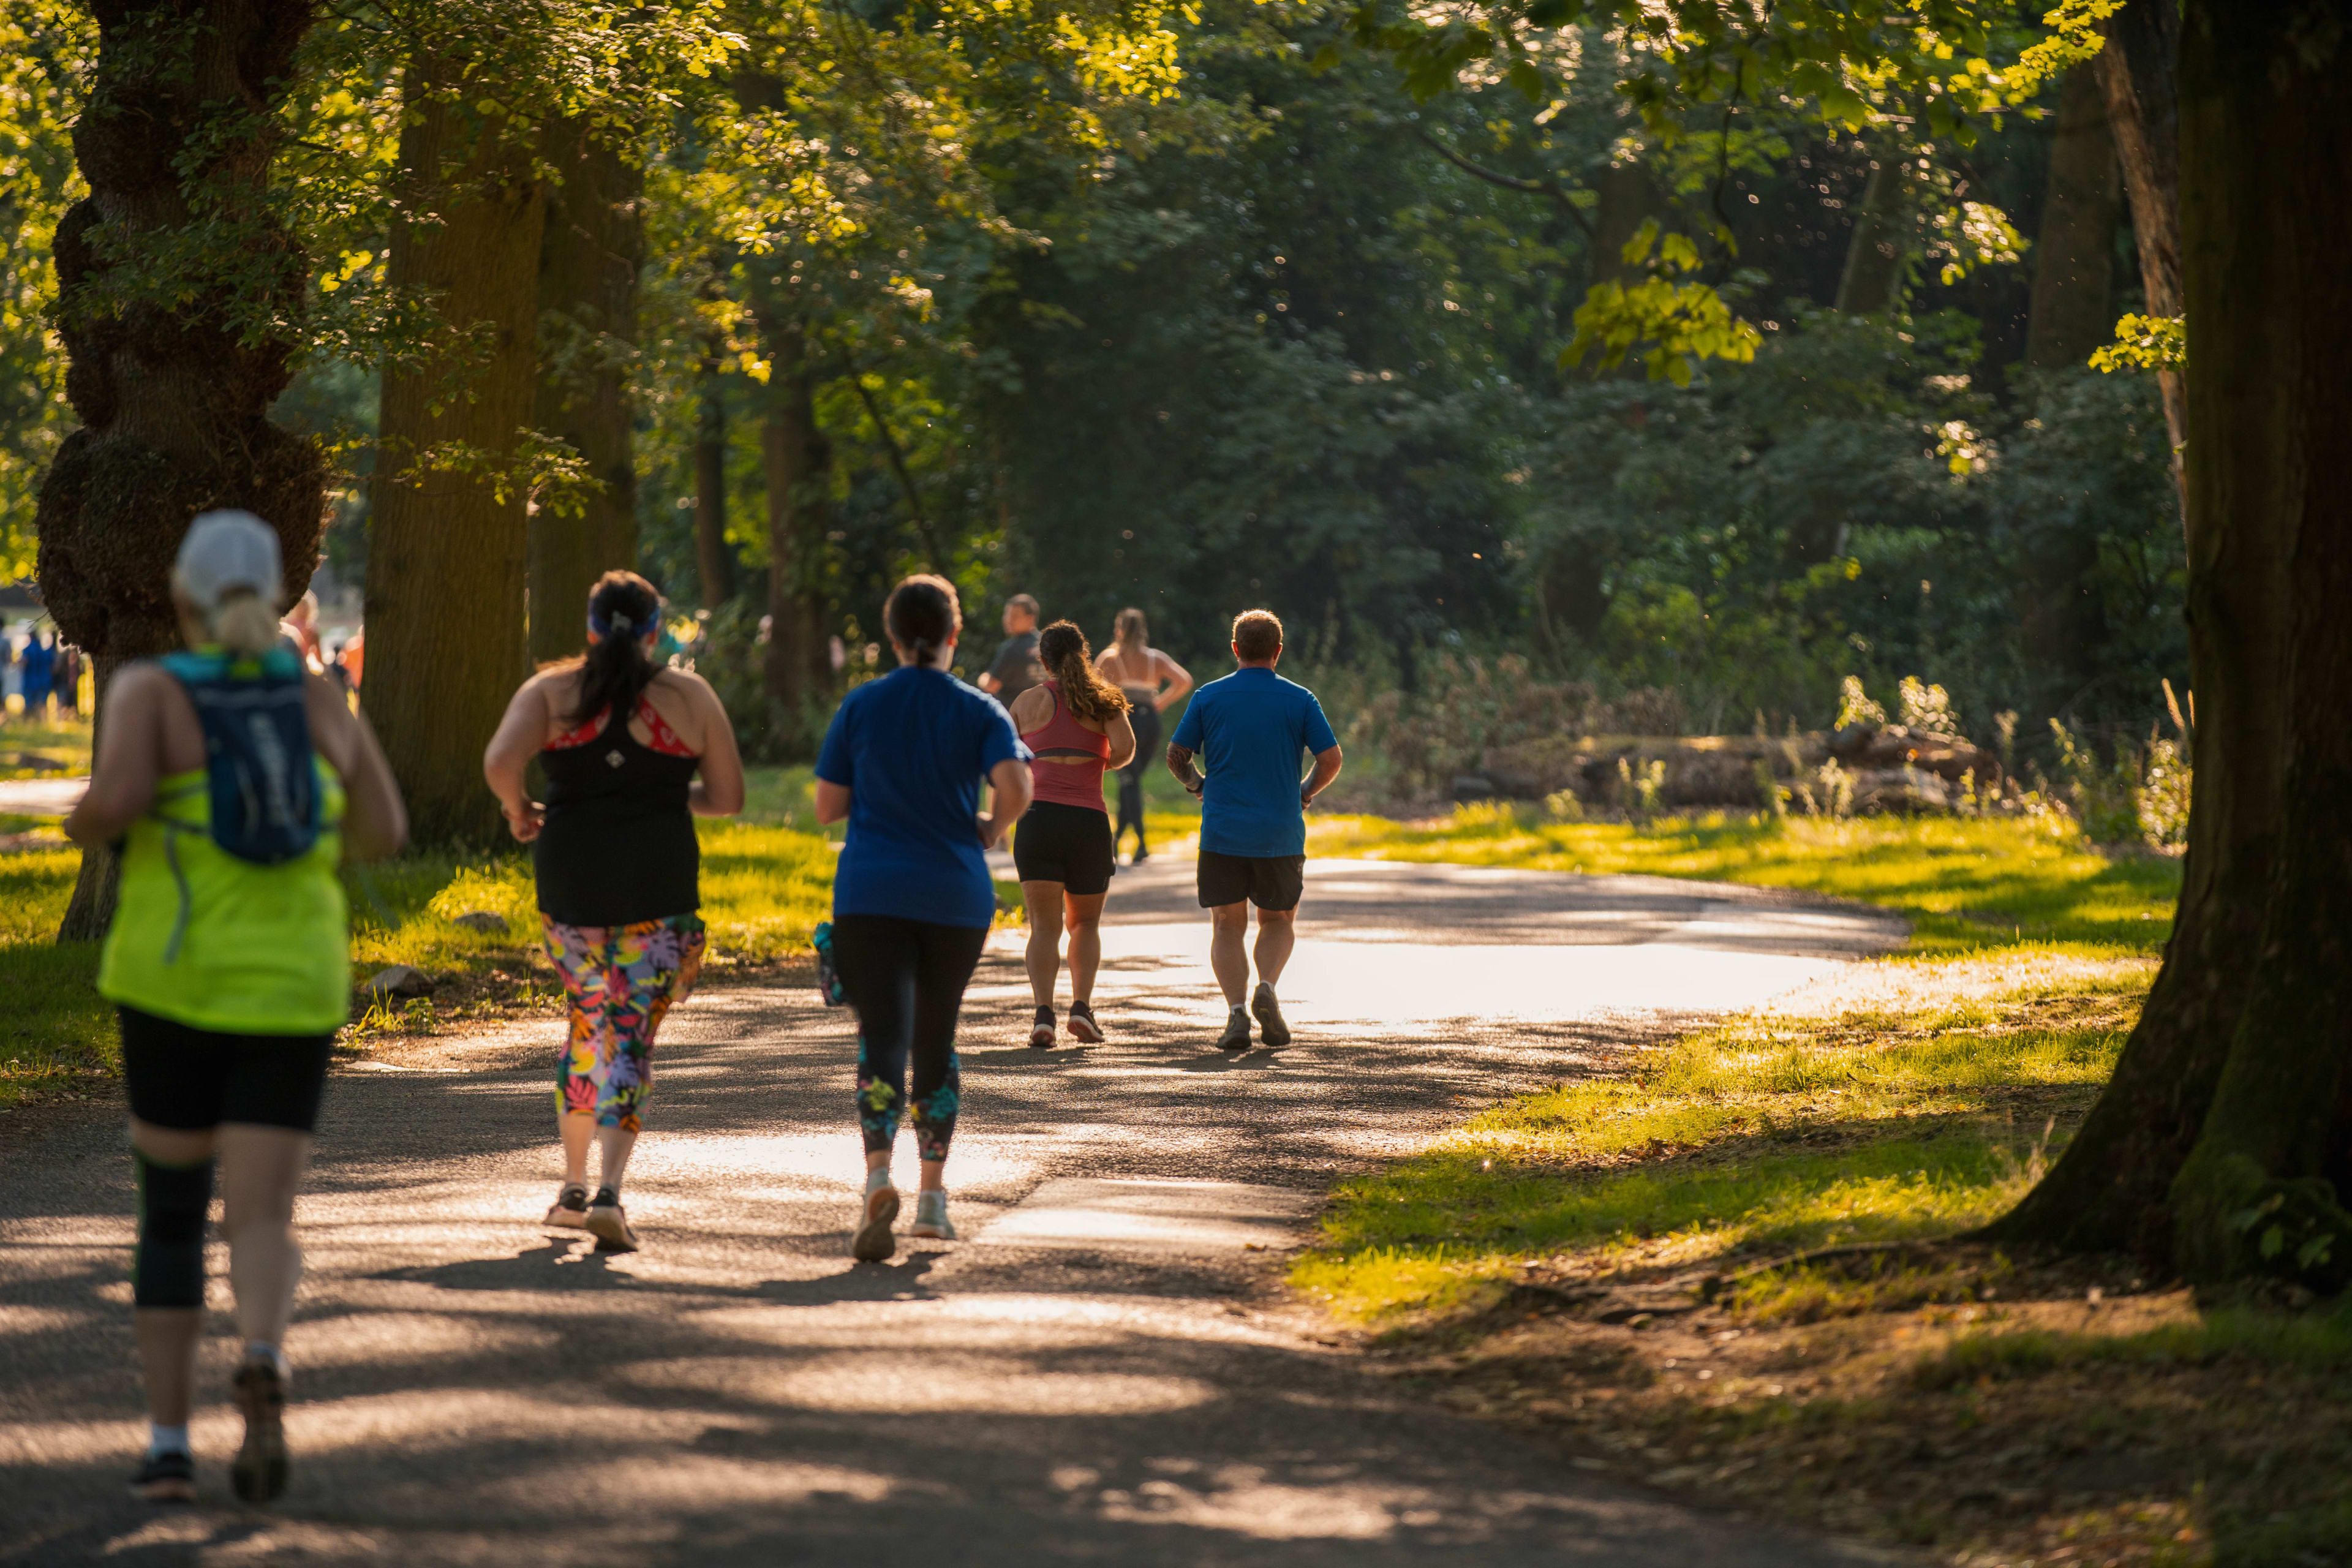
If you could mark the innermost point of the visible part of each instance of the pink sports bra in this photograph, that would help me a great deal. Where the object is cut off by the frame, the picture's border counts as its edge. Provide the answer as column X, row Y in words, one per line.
column 1067, row 782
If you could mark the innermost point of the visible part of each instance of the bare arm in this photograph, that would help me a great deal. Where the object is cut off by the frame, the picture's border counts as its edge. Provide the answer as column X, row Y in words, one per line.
column 989, row 683
column 1327, row 768
column 1010, row 792
column 375, row 821
column 1180, row 762
column 832, row 803
column 1120, row 732
column 1179, row 682
column 128, row 760
column 521, row 735
column 719, row 791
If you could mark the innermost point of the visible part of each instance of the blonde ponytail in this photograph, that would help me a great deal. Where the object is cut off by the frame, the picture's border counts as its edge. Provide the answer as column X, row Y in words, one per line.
column 244, row 623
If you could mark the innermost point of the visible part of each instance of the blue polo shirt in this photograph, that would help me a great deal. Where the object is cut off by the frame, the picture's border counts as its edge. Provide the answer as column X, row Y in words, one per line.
column 1250, row 731
column 913, row 749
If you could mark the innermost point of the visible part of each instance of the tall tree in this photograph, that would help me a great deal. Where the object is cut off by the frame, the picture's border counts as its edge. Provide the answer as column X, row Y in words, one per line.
column 2229, row 1094
column 714, row 559
column 1877, row 257
column 179, row 294
column 447, row 545
column 2073, row 309
column 796, row 458
column 2137, row 68
column 589, row 254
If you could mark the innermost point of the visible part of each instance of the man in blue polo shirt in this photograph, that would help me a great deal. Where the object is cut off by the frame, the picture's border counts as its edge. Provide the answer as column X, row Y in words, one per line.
column 1251, row 729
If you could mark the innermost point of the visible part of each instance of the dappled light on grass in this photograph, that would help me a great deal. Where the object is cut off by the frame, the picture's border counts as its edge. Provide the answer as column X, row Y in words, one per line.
column 1773, row 1132
column 56, row 1035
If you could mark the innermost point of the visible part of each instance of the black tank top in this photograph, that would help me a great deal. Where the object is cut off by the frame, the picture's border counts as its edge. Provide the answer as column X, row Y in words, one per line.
column 618, row 847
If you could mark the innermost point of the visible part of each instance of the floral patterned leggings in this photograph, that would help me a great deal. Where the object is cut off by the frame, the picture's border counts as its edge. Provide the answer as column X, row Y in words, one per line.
column 622, row 980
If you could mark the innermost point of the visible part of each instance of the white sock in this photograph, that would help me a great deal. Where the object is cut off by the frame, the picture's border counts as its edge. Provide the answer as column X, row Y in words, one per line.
column 262, row 1350
column 163, row 1439
column 876, row 1179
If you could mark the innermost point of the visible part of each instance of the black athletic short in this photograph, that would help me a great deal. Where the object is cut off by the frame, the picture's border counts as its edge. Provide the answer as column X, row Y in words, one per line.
column 1269, row 881
column 181, row 1077
column 1064, row 844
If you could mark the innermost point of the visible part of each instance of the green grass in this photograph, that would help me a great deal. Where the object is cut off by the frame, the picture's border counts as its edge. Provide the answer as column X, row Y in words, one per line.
column 1917, row 1106
column 67, row 744
column 1967, row 883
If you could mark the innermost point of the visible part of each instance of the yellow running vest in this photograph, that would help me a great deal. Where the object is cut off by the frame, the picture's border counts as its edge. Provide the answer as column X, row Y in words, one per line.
column 253, row 949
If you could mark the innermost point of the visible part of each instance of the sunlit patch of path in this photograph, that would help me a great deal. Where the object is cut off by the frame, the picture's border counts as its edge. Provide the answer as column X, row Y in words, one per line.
column 1104, row 1371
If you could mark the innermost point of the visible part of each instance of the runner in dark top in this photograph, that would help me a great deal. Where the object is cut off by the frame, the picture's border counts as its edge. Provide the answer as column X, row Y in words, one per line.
column 618, row 865
column 1014, row 670
column 1252, row 728
column 912, row 899
column 1153, row 683
column 1075, row 724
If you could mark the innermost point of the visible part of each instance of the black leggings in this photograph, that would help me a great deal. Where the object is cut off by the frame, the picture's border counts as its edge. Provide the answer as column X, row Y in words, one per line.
column 906, row 979
column 1146, row 720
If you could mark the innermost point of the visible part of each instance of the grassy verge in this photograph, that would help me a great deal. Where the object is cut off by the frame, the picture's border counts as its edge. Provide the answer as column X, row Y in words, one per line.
column 1595, row 1260
column 30, row 750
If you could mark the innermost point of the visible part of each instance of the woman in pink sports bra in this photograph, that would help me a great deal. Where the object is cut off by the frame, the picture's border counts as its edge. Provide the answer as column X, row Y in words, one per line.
column 1075, row 726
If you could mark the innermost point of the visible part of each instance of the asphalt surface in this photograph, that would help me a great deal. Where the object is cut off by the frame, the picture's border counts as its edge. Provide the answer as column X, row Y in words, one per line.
column 1105, row 1369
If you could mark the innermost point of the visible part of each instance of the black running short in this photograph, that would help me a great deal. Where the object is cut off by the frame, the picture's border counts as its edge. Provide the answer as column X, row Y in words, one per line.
column 188, row 1078
column 1269, row 881
column 1064, row 844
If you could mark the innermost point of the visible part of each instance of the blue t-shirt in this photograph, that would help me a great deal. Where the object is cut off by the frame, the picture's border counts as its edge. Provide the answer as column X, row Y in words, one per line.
column 913, row 749
column 1249, row 729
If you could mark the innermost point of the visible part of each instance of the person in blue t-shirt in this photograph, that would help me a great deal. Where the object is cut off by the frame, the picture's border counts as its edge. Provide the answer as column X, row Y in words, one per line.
column 912, row 899
column 1250, row 728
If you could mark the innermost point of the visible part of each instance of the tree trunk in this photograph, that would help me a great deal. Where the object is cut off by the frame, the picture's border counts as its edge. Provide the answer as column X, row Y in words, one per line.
column 172, row 391
column 447, row 547
column 2262, row 215
column 588, row 259
column 798, row 461
column 1878, row 259
column 2072, row 310
column 2136, row 69
column 2266, row 197
column 714, row 561
column 1629, row 198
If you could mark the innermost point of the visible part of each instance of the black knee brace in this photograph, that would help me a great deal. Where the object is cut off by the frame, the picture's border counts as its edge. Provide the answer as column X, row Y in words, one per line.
column 168, row 1269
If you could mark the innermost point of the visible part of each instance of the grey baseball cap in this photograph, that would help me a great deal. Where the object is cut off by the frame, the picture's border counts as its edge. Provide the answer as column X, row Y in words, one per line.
column 225, row 551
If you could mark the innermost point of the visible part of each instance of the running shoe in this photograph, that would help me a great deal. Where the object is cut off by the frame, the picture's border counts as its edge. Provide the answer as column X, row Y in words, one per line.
column 931, row 1217
column 1236, row 1035
column 166, row 1478
column 258, row 1472
column 874, row 1242
column 1140, row 857
column 1041, row 1033
column 569, row 1210
column 1083, row 1026
column 1271, row 1027
column 608, row 1222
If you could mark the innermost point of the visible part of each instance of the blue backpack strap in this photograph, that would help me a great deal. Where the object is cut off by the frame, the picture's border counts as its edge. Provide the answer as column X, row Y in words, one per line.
column 267, row 806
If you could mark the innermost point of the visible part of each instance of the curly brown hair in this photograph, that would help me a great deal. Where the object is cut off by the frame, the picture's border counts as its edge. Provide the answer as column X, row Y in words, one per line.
column 1062, row 650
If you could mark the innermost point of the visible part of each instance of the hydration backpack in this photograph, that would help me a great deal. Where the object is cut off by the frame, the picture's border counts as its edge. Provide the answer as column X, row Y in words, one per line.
column 263, row 785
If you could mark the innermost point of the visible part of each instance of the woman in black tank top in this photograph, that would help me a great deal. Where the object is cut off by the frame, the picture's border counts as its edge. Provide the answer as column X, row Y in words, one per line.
column 618, row 862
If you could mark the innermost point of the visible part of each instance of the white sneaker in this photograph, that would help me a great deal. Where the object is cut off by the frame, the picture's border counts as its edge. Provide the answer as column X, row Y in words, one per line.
column 874, row 1242
column 931, row 1217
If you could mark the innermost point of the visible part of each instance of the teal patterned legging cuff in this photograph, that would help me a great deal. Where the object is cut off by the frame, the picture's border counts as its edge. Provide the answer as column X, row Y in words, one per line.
column 622, row 980
column 906, row 978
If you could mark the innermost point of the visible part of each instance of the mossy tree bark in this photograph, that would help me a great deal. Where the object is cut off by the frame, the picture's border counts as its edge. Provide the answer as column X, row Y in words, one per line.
column 172, row 387
column 448, row 533
column 2232, row 1090
column 798, row 462
column 589, row 254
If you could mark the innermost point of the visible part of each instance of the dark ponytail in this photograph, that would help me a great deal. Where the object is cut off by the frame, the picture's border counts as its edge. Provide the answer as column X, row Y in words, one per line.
column 922, row 615
column 622, row 608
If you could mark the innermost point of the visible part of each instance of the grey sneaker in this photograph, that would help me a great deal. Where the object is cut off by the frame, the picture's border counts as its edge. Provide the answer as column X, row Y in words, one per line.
column 1236, row 1035
column 931, row 1217
column 874, row 1242
column 1270, row 1027
column 608, row 1222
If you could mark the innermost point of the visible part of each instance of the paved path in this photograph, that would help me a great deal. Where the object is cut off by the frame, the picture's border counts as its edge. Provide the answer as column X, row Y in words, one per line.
column 1107, row 1370
column 41, row 797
